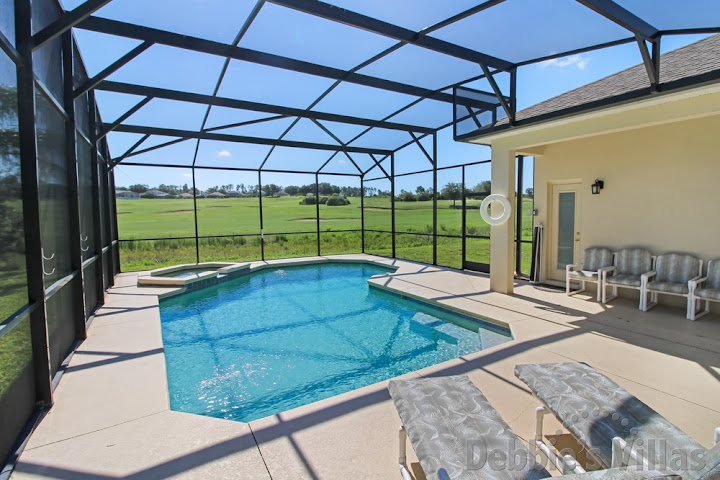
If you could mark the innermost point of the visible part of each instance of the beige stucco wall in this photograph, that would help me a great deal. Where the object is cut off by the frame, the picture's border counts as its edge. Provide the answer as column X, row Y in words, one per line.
column 661, row 190
column 658, row 156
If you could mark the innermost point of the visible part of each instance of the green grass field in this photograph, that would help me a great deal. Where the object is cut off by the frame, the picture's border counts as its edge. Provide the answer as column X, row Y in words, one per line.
column 15, row 355
column 155, row 218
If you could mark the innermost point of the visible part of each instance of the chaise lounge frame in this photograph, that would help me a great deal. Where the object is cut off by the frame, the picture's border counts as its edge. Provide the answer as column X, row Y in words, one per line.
column 621, row 450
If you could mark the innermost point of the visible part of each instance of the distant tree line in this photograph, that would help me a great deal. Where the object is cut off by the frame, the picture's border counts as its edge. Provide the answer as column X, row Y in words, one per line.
column 11, row 219
column 449, row 191
column 269, row 189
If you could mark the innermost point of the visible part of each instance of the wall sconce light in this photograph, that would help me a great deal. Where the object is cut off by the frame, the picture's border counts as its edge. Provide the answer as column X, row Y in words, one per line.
column 597, row 186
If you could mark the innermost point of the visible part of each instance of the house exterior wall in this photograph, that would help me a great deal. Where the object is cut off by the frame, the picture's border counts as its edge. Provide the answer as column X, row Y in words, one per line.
column 661, row 187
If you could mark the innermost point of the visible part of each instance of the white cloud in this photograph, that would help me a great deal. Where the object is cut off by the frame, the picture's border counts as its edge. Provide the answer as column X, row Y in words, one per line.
column 224, row 153
column 187, row 175
column 342, row 161
column 578, row 61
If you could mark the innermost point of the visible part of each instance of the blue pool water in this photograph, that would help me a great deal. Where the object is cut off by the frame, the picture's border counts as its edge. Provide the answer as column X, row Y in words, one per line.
column 285, row 337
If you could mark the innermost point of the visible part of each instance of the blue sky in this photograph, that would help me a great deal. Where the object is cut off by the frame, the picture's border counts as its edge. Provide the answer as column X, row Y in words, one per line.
column 281, row 31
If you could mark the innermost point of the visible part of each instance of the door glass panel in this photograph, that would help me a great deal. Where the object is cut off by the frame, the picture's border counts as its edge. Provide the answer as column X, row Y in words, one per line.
column 566, row 227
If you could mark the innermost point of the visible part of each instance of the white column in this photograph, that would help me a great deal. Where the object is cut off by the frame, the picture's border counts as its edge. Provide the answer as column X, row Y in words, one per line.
column 502, row 237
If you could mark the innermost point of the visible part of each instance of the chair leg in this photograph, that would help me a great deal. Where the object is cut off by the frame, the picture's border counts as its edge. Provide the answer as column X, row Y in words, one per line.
column 643, row 300
column 648, row 305
column 613, row 295
column 569, row 291
column 402, row 454
column 690, row 308
column 540, row 413
column 567, row 284
column 700, row 313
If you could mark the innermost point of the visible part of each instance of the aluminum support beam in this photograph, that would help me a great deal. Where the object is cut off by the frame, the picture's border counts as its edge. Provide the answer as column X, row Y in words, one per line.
column 128, row 30
column 626, row 19
column 353, row 19
column 177, row 95
column 66, row 22
column 114, row 67
column 170, row 132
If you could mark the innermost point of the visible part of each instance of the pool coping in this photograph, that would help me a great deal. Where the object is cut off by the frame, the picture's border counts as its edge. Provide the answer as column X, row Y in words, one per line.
column 248, row 268
column 218, row 271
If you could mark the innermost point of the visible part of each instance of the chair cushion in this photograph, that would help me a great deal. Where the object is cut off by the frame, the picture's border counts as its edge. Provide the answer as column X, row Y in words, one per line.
column 445, row 416
column 676, row 268
column 633, row 261
column 595, row 409
column 669, row 287
column 625, row 280
column 708, row 293
column 709, row 468
column 596, row 258
column 584, row 274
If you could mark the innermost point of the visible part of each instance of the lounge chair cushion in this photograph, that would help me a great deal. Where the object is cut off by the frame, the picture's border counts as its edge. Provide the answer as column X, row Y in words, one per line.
column 710, row 469
column 708, row 293
column 596, row 258
column 630, row 473
column 595, row 409
column 633, row 261
column 669, row 287
column 443, row 415
column 624, row 280
column 676, row 268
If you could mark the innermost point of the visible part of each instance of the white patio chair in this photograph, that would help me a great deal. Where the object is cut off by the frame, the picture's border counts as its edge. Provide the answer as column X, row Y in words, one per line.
column 706, row 289
column 672, row 275
column 629, row 266
column 595, row 260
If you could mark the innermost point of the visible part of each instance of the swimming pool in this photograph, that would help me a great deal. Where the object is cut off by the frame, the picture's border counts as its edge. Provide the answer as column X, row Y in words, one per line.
column 285, row 337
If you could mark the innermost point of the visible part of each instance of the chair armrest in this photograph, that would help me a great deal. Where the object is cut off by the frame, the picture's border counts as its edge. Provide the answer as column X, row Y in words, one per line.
column 572, row 267
column 645, row 277
column 605, row 271
column 694, row 282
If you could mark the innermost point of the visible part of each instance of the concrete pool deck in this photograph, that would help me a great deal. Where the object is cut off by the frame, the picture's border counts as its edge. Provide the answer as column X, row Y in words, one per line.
column 111, row 417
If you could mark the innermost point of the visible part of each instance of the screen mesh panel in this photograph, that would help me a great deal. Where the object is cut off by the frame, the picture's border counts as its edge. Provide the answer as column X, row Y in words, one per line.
column 17, row 384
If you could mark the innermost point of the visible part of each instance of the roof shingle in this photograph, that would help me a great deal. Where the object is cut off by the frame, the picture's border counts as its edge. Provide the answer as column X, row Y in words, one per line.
column 689, row 61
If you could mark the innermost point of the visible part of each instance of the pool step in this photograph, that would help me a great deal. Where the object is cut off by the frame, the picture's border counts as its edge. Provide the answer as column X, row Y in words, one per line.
column 449, row 337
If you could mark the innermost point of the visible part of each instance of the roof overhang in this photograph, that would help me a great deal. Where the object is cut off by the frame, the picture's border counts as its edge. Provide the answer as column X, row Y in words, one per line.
column 650, row 110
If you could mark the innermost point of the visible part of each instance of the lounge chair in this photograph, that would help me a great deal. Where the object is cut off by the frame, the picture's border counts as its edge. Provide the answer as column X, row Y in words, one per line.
column 595, row 261
column 629, row 266
column 672, row 275
column 615, row 427
column 706, row 289
column 449, row 421
column 444, row 417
